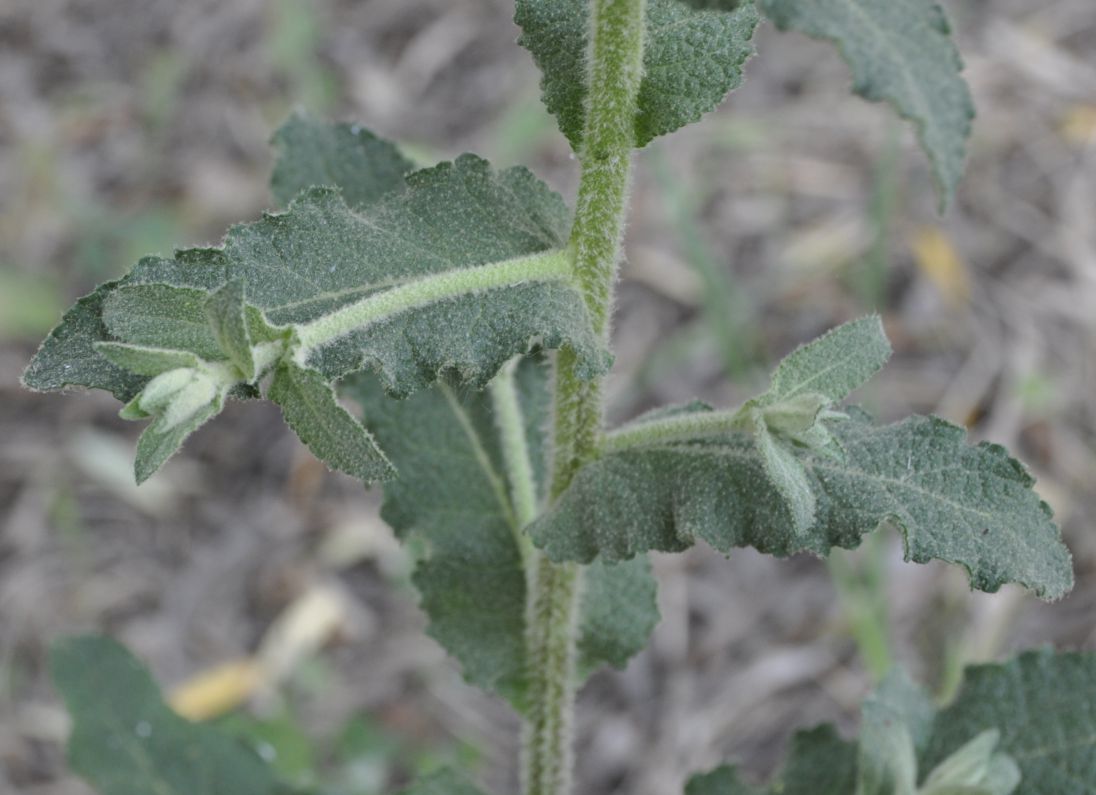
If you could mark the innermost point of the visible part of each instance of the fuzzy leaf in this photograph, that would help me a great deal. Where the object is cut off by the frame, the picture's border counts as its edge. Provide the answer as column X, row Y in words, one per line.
column 721, row 781
column 312, row 152
column 900, row 52
column 68, row 356
column 693, row 57
column 833, row 365
column 1024, row 727
column 144, row 360
column 452, row 493
column 309, row 407
column 443, row 782
column 966, row 504
column 819, row 763
column 454, row 274
column 1044, row 705
column 896, row 721
column 788, row 476
column 304, row 265
column 162, row 316
column 167, row 432
column 226, row 311
column 126, row 741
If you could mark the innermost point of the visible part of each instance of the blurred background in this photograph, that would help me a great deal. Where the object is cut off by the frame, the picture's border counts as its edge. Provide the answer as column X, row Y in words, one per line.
column 130, row 127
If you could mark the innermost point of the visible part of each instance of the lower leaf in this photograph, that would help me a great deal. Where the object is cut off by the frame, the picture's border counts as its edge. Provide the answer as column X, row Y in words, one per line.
column 452, row 493
column 127, row 741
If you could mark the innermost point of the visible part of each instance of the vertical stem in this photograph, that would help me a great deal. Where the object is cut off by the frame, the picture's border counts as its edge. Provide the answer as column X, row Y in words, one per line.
column 614, row 72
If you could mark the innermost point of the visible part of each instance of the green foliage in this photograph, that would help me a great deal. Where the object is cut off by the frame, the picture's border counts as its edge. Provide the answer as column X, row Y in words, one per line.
column 454, row 493
column 964, row 504
column 415, row 290
column 331, row 433
column 456, row 272
column 1023, row 727
column 693, row 57
column 1044, row 706
column 127, row 741
column 675, row 476
column 900, row 53
column 313, row 153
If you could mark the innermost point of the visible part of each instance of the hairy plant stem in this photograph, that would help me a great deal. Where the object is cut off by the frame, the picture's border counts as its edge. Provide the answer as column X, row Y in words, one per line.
column 614, row 72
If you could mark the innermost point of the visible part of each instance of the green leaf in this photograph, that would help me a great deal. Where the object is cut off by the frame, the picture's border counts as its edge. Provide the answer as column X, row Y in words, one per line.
column 819, row 763
column 443, row 782
column 126, row 741
column 619, row 611
column 312, row 152
column 721, row 781
column 304, row 266
column 896, row 721
column 454, row 274
column 190, row 409
column 833, row 365
column 1043, row 704
column 452, row 492
column 693, row 57
column 161, row 316
column 226, row 310
column 1027, row 726
column 309, row 407
column 971, row 505
column 900, row 53
column 144, row 360
column 977, row 767
column 788, row 476
column 68, row 356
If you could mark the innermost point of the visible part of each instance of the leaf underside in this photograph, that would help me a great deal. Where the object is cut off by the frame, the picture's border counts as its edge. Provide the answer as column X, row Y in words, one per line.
column 966, row 504
column 693, row 57
column 127, row 741
column 900, row 52
column 452, row 493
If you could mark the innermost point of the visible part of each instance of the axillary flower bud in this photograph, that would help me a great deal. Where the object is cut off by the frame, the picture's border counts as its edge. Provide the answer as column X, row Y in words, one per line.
column 176, row 395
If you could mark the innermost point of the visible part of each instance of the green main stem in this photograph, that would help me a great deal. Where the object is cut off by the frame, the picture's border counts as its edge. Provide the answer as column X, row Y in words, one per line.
column 614, row 72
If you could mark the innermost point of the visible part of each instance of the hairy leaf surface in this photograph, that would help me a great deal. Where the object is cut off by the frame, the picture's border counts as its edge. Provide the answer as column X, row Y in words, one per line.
column 302, row 266
column 127, row 741
column 1043, row 704
column 895, row 724
column 1024, row 727
column 971, row 505
column 693, row 57
column 455, row 273
column 452, row 492
column 833, row 365
column 312, row 153
column 68, row 356
column 900, row 52
column 819, row 763
column 330, row 432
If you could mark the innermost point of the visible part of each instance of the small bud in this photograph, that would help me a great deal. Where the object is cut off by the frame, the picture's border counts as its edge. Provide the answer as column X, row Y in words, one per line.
column 176, row 394
column 977, row 767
